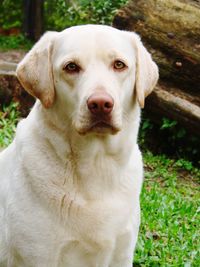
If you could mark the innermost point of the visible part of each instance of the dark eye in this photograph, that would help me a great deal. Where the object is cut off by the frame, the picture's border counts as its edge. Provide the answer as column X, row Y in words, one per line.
column 72, row 68
column 119, row 65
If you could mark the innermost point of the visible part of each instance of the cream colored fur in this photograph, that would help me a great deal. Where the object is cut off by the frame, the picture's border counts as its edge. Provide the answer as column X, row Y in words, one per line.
column 69, row 196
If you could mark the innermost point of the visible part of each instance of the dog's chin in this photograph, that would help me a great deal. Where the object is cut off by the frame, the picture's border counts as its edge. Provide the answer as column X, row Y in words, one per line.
column 100, row 128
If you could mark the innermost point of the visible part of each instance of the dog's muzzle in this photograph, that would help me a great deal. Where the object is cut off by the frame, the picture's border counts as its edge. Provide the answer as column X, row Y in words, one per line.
column 100, row 106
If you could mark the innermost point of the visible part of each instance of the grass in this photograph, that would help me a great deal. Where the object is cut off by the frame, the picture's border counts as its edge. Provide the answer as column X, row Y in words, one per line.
column 9, row 116
column 170, row 202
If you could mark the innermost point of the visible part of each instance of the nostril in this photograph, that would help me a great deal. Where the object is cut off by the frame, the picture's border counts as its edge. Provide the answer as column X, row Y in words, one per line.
column 93, row 106
column 108, row 105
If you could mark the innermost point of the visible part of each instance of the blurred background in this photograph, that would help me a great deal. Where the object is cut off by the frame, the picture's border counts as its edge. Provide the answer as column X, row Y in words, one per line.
column 37, row 16
column 170, row 128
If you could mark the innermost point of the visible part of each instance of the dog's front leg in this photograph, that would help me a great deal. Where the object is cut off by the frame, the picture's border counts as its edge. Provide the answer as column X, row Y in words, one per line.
column 123, row 256
column 125, row 246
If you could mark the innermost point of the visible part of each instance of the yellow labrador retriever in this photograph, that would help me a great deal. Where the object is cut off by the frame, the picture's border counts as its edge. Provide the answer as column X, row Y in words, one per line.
column 70, row 181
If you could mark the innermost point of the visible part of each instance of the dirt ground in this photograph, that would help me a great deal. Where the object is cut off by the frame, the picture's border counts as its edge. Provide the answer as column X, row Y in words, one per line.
column 12, row 55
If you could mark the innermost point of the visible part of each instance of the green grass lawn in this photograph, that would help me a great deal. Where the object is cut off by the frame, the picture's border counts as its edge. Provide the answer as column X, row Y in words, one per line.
column 170, row 202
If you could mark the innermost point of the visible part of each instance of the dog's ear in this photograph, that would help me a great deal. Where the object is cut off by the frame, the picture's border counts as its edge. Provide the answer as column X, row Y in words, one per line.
column 35, row 70
column 146, row 71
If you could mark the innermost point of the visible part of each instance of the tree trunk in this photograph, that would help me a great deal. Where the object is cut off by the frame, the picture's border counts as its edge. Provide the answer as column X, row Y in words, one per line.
column 170, row 30
column 33, row 18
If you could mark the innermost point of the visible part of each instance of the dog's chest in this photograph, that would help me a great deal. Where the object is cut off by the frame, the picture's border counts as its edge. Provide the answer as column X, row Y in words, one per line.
column 95, row 205
column 99, row 192
column 98, row 199
column 93, row 228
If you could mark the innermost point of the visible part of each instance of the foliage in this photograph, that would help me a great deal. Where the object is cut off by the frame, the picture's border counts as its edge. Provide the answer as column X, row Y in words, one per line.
column 168, row 137
column 58, row 15
column 170, row 227
column 9, row 116
column 167, row 123
column 61, row 14
column 11, row 14
column 14, row 42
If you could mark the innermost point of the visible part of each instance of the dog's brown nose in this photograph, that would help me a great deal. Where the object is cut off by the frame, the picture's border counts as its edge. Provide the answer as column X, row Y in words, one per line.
column 100, row 103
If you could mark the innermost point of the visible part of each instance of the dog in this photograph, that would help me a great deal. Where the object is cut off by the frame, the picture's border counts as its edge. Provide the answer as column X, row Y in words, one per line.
column 70, row 182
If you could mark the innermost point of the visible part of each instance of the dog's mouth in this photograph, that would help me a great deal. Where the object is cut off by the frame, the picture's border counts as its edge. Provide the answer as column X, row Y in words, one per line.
column 101, row 124
column 100, row 127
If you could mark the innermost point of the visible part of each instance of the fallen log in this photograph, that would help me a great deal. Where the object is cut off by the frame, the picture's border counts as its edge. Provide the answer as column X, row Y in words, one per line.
column 171, row 31
column 178, row 105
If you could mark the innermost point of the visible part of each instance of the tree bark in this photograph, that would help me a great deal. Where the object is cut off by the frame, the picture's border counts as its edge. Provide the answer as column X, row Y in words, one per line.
column 177, row 105
column 171, row 31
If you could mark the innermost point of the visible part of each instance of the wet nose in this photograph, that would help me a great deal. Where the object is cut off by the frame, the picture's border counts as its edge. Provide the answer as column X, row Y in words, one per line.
column 100, row 103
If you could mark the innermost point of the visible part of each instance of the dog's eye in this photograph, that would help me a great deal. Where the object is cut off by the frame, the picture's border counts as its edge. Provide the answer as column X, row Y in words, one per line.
column 72, row 68
column 119, row 65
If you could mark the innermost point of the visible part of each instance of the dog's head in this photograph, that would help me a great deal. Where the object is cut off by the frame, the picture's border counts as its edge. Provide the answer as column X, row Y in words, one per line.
column 94, row 74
